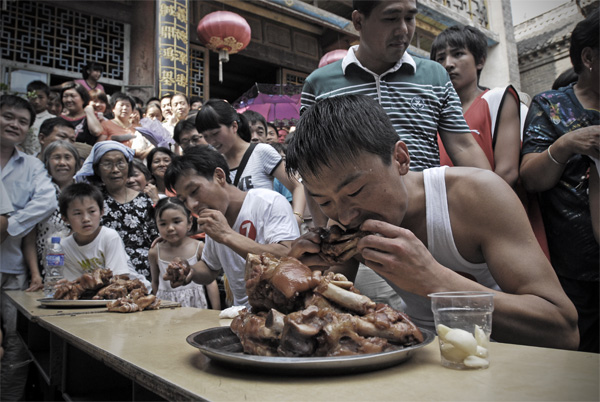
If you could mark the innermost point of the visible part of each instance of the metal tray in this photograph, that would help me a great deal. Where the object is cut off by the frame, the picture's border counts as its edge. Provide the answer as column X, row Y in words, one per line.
column 223, row 346
column 50, row 302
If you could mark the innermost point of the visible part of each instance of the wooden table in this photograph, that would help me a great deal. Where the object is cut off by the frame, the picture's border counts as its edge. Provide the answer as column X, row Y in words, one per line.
column 150, row 349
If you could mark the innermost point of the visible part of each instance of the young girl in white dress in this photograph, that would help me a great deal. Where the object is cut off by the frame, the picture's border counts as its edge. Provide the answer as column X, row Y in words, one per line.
column 174, row 222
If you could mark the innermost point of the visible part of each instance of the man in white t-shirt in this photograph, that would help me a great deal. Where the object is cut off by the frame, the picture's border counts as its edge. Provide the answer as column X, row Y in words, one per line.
column 235, row 222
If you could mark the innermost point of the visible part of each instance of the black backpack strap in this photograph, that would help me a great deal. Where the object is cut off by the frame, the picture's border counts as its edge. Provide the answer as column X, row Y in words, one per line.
column 243, row 163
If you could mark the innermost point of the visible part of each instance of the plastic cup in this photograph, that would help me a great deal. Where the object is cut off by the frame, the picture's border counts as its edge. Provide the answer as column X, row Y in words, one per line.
column 463, row 321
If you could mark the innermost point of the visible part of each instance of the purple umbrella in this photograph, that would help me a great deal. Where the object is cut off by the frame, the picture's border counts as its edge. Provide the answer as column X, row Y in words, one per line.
column 154, row 132
column 278, row 108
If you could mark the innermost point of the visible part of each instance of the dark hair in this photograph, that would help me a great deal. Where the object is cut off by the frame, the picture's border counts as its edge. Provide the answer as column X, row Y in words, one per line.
column 182, row 95
column 255, row 117
column 584, row 35
column 217, row 112
column 99, row 94
column 173, row 203
column 120, row 96
column 60, row 144
column 202, row 159
column 153, row 152
column 153, row 99
column 77, row 191
column 338, row 129
column 273, row 126
column 279, row 147
column 565, row 78
column 139, row 165
column 194, row 99
column 48, row 125
column 17, row 102
column 137, row 100
column 182, row 127
column 91, row 66
column 167, row 95
column 365, row 6
column 83, row 93
column 38, row 86
column 461, row 37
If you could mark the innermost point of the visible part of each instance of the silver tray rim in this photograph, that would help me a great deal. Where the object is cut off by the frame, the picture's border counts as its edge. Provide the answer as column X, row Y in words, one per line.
column 304, row 365
column 50, row 302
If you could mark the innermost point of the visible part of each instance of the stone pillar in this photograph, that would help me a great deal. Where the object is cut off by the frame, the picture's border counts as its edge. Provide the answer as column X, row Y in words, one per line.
column 172, row 52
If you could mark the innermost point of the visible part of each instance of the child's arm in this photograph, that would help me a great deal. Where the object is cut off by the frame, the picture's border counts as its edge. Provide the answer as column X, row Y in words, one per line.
column 30, row 254
column 154, row 270
column 212, row 291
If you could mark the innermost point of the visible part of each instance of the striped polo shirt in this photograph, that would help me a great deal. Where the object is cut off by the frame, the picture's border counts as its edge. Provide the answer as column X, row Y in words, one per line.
column 416, row 93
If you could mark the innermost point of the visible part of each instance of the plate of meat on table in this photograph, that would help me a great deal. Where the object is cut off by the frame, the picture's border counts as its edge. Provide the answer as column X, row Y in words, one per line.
column 100, row 288
column 307, row 322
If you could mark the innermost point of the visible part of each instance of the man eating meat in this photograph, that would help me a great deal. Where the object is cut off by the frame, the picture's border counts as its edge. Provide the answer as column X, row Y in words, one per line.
column 442, row 229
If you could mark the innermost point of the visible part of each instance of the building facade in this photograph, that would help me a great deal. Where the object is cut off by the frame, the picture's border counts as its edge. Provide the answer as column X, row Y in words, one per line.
column 543, row 44
column 53, row 40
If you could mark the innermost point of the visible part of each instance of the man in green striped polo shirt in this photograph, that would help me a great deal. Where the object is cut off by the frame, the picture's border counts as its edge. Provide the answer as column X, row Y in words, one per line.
column 416, row 93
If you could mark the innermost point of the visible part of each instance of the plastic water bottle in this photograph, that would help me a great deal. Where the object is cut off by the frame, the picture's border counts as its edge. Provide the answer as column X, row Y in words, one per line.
column 55, row 261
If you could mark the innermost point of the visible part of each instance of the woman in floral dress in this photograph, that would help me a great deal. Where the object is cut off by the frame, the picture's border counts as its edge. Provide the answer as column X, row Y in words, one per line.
column 128, row 211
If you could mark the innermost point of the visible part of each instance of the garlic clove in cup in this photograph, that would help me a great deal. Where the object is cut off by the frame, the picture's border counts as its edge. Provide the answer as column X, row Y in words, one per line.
column 442, row 330
column 452, row 353
column 476, row 362
column 481, row 337
column 462, row 340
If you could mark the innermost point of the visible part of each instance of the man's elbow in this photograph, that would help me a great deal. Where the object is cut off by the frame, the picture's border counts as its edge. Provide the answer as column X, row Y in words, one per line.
column 568, row 337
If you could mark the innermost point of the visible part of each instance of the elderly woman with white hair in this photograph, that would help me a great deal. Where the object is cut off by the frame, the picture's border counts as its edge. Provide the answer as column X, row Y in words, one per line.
column 62, row 162
column 126, row 210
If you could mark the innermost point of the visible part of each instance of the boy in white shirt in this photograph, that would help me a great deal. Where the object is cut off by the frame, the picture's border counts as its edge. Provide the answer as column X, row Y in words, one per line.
column 91, row 245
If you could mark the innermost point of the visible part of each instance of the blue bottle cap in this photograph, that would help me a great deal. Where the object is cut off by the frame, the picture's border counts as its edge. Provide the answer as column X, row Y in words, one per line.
column 56, row 240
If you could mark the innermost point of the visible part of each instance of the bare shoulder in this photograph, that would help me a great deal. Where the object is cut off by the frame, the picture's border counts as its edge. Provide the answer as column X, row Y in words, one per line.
column 153, row 252
column 485, row 213
column 483, row 198
column 475, row 185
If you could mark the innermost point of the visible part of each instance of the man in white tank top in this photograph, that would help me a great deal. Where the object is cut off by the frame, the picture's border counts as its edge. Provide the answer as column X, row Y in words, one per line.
column 443, row 229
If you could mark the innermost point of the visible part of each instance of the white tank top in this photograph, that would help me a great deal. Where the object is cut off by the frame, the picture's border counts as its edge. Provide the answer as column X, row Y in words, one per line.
column 441, row 245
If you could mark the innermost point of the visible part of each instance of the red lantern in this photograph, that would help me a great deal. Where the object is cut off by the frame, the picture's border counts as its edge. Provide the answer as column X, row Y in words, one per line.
column 332, row 56
column 224, row 32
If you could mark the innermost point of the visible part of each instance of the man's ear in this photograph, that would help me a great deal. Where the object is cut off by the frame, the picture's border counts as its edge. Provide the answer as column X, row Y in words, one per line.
column 219, row 177
column 41, row 138
column 480, row 64
column 401, row 157
column 357, row 19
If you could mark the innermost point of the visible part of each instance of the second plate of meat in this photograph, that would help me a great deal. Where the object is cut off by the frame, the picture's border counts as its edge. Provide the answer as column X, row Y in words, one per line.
column 50, row 302
column 223, row 346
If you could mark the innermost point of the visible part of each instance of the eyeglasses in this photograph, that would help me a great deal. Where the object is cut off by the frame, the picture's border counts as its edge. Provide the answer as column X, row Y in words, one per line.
column 108, row 166
column 193, row 140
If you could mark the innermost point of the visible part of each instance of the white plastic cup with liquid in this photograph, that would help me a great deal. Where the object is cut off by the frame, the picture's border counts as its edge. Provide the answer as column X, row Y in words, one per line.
column 463, row 322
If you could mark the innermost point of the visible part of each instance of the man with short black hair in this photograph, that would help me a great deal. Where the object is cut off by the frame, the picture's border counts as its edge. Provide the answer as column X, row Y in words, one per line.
column 33, row 197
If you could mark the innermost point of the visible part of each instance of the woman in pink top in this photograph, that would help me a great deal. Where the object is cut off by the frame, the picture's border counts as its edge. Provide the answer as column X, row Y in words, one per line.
column 91, row 75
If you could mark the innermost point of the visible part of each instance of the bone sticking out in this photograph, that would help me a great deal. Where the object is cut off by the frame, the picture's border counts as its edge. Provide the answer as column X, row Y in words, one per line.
column 275, row 321
column 345, row 298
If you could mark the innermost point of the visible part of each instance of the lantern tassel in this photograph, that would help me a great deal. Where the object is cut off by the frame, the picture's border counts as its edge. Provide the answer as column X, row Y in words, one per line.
column 223, row 58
